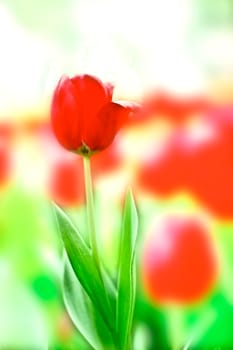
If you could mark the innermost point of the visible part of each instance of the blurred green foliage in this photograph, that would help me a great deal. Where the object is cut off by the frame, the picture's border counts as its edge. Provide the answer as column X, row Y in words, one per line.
column 51, row 19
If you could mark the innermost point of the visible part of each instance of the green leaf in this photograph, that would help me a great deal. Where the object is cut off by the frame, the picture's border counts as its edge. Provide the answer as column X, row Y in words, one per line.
column 127, row 273
column 85, row 317
column 84, row 267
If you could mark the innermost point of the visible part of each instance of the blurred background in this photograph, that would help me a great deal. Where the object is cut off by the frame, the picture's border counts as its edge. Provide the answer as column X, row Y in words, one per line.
column 175, row 58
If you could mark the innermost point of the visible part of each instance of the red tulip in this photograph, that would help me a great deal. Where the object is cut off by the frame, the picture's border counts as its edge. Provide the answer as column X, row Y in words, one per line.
column 201, row 165
column 4, row 164
column 83, row 116
column 173, row 108
column 210, row 176
column 179, row 263
column 107, row 161
column 6, row 135
column 66, row 182
column 7, row 132
column 164, row 174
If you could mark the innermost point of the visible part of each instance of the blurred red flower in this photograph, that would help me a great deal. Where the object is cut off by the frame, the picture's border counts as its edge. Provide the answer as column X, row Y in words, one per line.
column 4, row 164
column 66, row 182
column 209, row 176
column 6, row 136
column 173, row 108
column 83, row 116
column 163, row 174
column 104, row 162
column 179, row 264
column 199, row 164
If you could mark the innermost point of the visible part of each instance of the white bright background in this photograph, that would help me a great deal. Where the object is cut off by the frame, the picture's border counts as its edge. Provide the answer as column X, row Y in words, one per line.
column 134, row 44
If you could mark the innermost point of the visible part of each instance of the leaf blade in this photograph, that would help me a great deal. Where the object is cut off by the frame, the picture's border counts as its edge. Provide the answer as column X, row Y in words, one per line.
column 83, row 265
column 127, row 273
column 84, row 315
column 78, row 306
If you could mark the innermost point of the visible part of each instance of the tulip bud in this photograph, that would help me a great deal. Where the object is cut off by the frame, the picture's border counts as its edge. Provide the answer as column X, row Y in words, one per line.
column 83, row 116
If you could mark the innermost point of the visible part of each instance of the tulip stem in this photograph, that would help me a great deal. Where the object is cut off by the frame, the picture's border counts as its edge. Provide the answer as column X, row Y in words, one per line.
column 90, row 210
column 92, row 227
column 175, row 327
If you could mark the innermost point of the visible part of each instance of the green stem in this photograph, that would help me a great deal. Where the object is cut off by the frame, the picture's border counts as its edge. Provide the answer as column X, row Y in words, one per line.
column 90, row 210
column 92, row 227
column 175, row 326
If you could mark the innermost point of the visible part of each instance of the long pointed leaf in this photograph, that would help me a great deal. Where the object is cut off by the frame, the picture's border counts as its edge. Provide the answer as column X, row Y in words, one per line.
column 78, row 306
column 127, row 276
column 85, row 316
column 84, row 267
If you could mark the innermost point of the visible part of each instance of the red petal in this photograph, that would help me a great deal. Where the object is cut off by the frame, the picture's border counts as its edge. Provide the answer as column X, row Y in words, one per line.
column 66, row 115
column 109, row 90
column 110, row 119
column 91, row 95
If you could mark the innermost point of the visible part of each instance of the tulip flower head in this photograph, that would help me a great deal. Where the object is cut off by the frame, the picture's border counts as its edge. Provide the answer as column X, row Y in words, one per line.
column 179, row 263
column 83, row 116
